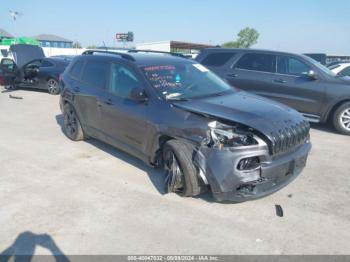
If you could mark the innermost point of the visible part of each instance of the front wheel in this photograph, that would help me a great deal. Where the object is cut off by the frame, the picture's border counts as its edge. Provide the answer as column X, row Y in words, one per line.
column 341, row 119
column 71, row 124
column 53, row 86
column 181, row 174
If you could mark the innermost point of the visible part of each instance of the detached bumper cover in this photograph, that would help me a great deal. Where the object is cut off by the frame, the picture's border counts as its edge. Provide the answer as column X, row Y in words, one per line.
column 230, row 184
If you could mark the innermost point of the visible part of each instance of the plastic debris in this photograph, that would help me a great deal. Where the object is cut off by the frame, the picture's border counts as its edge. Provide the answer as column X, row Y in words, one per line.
column 279, row 211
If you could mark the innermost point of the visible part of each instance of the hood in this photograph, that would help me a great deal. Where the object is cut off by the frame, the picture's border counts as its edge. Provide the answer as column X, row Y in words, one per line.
column 23, row 54
column 264, row 115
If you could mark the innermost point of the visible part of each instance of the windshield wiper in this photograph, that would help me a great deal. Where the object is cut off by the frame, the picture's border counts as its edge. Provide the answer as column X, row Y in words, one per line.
column 178, row 99
column 211, row 95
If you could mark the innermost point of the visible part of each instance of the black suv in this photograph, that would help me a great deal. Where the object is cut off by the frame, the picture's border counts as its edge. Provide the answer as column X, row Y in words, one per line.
column 173, row 112
column 295, row 80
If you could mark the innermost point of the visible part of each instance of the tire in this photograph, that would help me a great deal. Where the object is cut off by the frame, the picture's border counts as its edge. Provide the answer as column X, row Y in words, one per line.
column 53, row 86
column 189, row 184
column 341, row 119
column 71, row 124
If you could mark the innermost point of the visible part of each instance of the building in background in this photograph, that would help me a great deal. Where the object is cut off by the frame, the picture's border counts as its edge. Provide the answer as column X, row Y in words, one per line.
column 55, row 41
column 173, row 46
column 5, row 35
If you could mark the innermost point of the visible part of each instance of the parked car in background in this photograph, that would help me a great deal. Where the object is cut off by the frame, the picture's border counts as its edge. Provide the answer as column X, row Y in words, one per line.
column 29, row 68
column 342, row 69
column 295, row 80
column 173, row 112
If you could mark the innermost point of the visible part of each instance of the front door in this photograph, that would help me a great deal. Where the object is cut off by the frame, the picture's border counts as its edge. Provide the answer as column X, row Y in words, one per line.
column 9, row 71
column 292, row 86
column 123, row 119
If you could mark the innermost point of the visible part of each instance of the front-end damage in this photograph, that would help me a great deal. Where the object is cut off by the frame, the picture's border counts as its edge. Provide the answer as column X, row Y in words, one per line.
column 236, row 162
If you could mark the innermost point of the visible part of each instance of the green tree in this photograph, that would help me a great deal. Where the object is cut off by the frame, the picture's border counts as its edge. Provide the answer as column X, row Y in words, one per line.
column 246, row 38
column 92, row 47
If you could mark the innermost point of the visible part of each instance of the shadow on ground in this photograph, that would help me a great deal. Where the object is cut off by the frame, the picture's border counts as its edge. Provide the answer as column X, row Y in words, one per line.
column 324, row 127
column 23, row 248
column 4, row 91
column 156, row 175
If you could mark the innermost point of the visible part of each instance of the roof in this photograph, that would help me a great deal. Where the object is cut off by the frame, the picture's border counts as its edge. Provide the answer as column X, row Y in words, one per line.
column 244, row 50
column 145, row 59
column 5, row 34
column 47, row 37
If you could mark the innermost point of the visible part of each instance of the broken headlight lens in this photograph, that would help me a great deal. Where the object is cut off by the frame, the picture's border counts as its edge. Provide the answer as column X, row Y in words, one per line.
column 229, row 136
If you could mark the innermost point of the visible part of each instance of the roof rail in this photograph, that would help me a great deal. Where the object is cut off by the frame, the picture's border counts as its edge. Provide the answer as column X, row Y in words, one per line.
column 122, row 55
column 156, row 52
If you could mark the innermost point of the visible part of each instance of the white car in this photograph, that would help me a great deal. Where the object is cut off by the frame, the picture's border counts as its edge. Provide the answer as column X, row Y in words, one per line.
column 342, row 69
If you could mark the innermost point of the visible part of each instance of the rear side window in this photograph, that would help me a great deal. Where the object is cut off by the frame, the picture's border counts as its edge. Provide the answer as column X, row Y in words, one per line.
column 217, row 59
column 291, row 66
column 345, row 72
column 75, row 71
column 96, row 73
column 257, row 62
column 45, row 63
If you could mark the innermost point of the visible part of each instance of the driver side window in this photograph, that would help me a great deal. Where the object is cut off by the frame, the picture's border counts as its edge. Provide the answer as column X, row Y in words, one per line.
column 291, row 66
column 123, row 80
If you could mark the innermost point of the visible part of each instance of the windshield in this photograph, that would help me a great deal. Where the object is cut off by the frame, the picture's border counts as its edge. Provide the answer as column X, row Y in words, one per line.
column 323, row 68
column 185, row 81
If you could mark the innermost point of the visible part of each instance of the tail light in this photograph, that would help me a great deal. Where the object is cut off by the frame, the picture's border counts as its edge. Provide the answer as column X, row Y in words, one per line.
column 2, row 82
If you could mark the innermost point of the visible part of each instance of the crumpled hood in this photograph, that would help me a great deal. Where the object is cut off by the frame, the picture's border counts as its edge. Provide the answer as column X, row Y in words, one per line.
column 262, row 114
column 23, row 54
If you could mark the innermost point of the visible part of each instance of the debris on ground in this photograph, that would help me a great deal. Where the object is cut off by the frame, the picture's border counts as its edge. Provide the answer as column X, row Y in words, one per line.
column 290, row 195
column 15, row 97
column 279, row 211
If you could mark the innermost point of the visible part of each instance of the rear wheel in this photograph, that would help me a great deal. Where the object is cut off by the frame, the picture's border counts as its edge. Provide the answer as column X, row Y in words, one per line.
column 181, row 174
column 53, row 87
column 341, row 118
column 71, row 124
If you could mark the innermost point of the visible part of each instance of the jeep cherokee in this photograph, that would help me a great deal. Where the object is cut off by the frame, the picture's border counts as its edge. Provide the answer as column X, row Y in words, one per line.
column 173, row 112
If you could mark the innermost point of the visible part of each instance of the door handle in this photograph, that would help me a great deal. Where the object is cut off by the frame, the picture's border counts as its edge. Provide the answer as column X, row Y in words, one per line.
column 281, row 81
column 108, row 101
column 76, row 89
column 232, row 75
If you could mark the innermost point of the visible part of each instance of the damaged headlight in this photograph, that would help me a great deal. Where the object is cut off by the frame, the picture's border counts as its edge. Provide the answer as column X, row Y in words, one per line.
column 222, row 135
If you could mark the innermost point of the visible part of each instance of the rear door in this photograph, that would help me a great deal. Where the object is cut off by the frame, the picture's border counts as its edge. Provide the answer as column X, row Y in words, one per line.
column 293, row 87
column 124, row 119
column 253, row 72
column 46, row 70
column 89, row 91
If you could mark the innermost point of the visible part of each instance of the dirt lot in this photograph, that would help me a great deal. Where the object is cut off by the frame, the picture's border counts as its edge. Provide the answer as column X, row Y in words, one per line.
column 88, row 198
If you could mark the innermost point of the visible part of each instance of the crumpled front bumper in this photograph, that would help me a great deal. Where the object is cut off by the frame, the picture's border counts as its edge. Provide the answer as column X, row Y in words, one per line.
column 230, row 184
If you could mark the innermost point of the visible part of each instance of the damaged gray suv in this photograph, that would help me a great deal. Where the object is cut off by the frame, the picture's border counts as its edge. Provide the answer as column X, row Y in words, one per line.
column 175, row 113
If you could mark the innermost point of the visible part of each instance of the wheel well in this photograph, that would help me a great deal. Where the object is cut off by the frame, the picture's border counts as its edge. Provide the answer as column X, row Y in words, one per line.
column 335, row 107
column 158, row 158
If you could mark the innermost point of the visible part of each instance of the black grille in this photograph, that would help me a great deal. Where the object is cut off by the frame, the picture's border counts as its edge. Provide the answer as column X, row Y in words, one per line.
column 289, row 138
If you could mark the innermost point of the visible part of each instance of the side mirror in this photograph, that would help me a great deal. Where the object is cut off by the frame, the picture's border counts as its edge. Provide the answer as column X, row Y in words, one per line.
column 138, row 94
column 312, row 75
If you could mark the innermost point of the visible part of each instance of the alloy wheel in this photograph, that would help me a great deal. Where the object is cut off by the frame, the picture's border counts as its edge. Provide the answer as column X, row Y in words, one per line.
column 52, row 86
column 175, row 179
column 70, row 122
column 345, row 119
